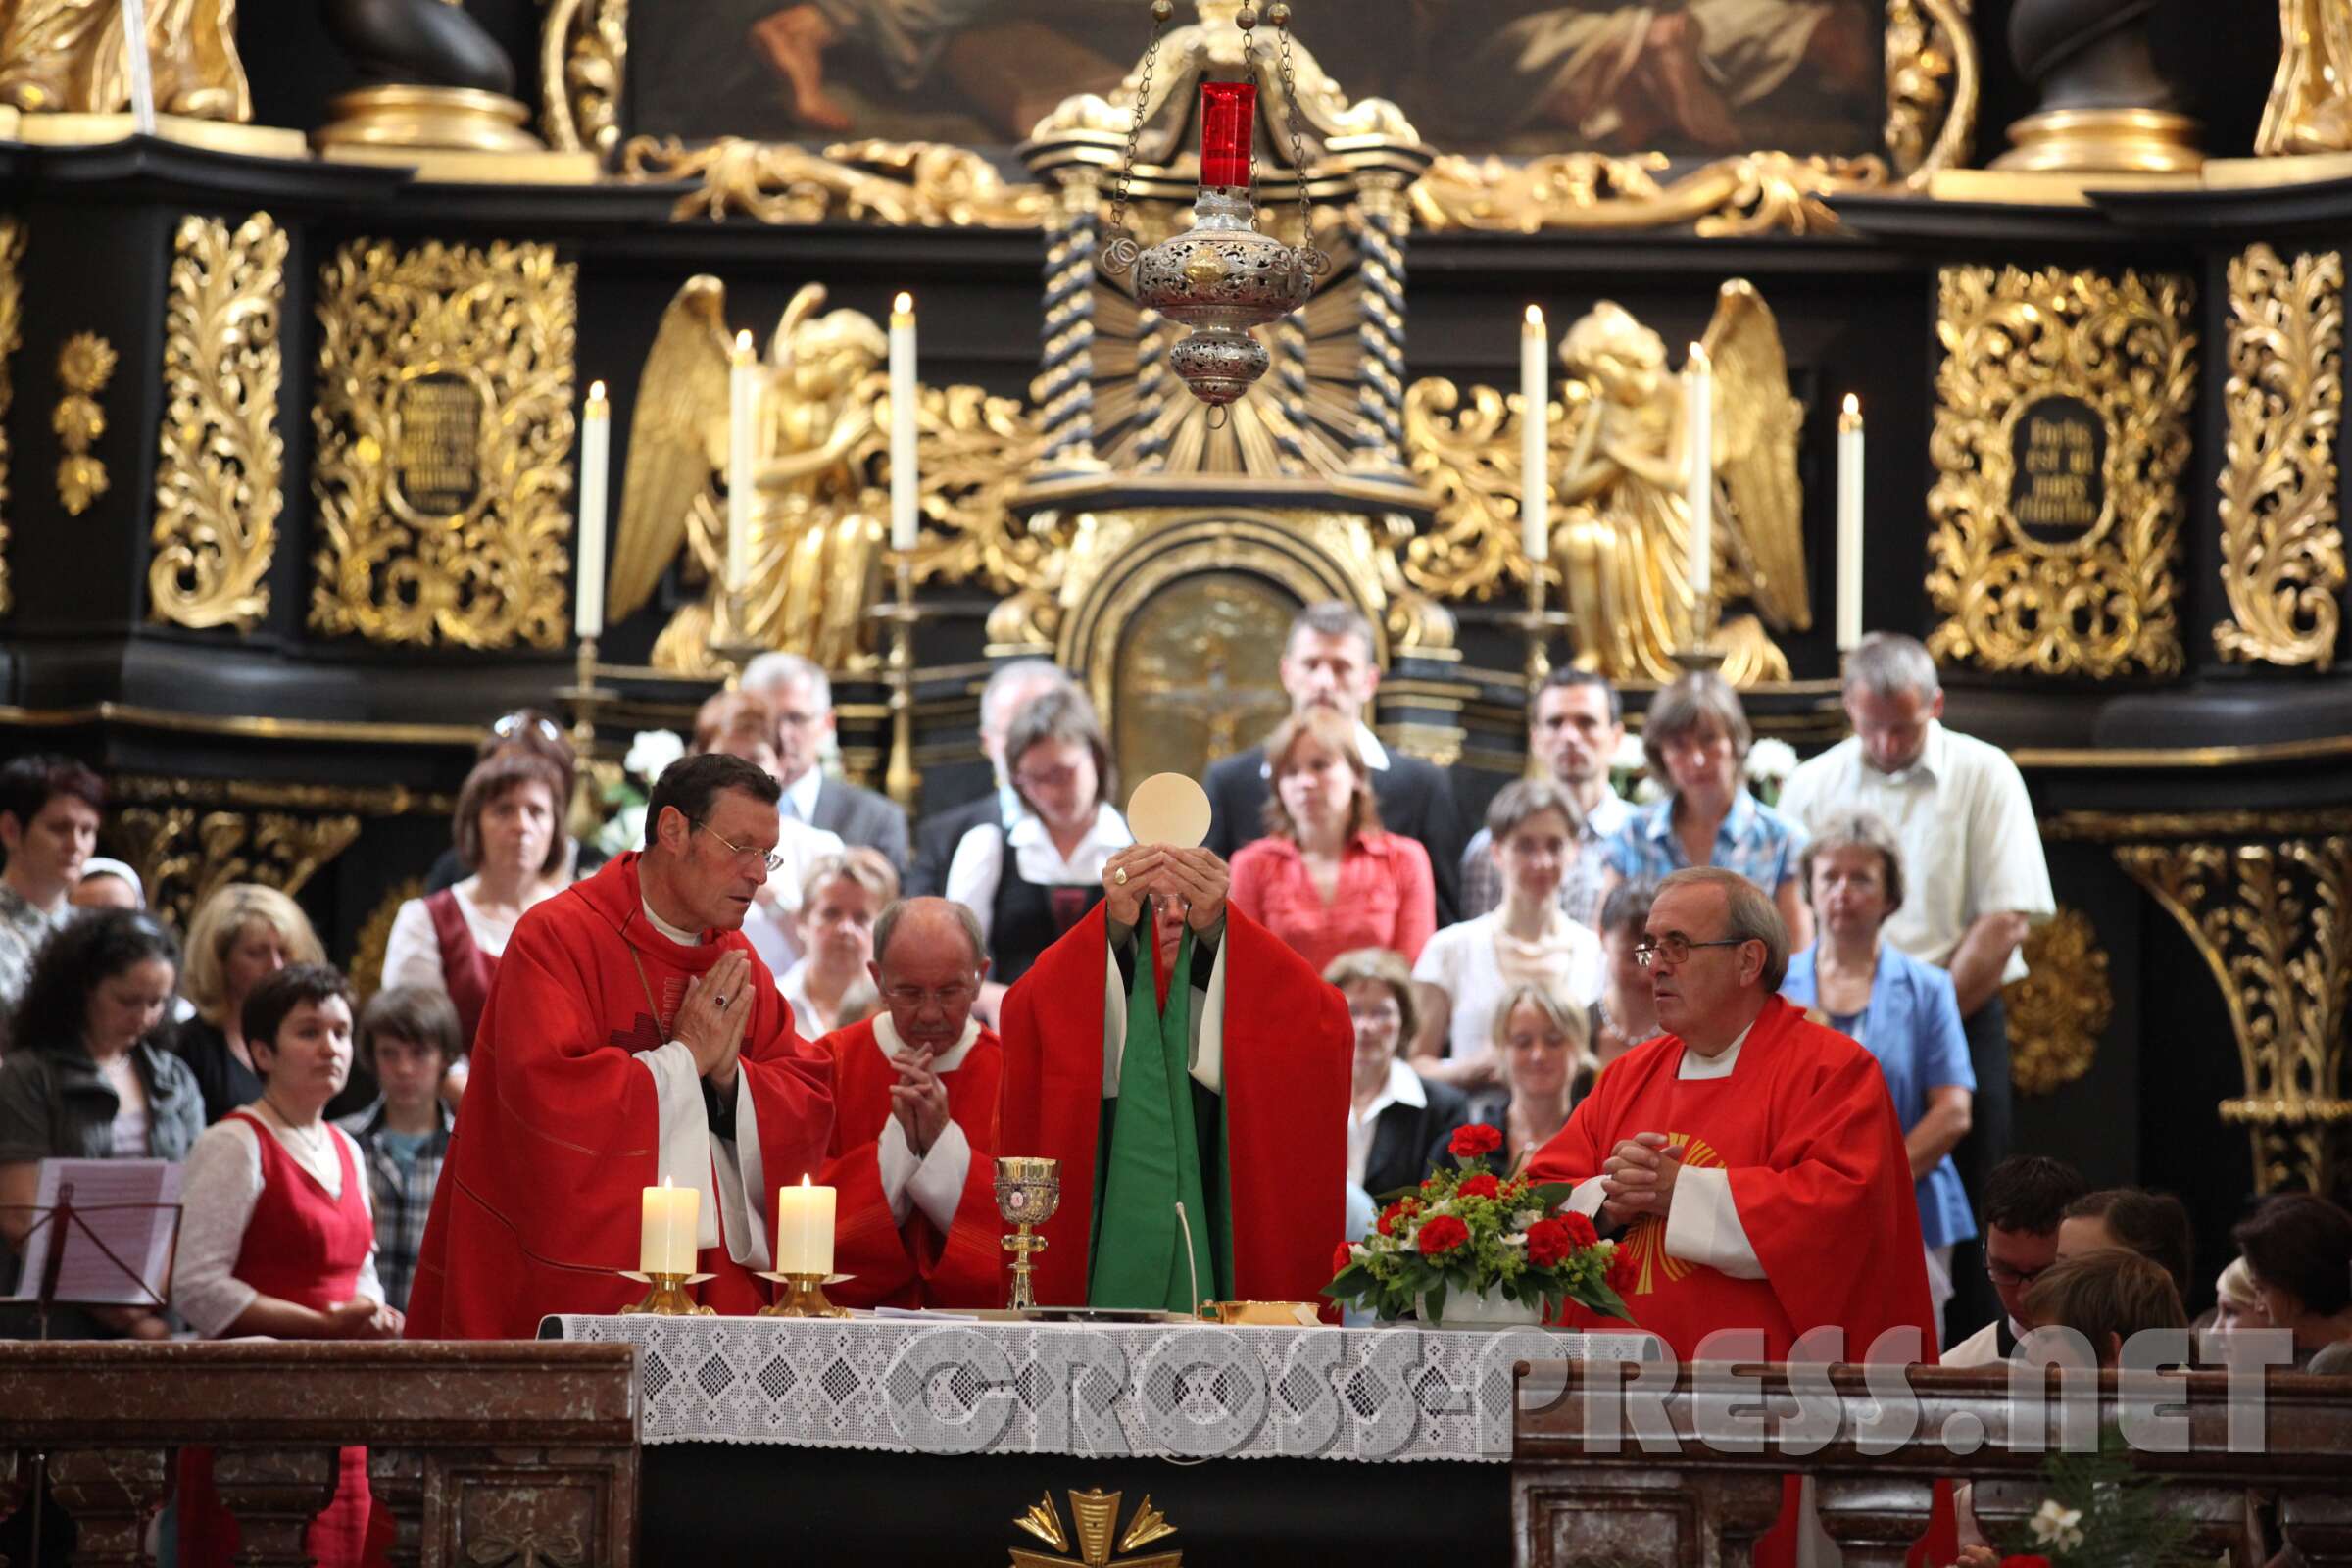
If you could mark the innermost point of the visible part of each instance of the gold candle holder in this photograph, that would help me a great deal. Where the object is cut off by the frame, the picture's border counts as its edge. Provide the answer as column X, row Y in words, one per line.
column 1028, row 1192
column 804, row 1295
column 668, row 1298
column 902, row 782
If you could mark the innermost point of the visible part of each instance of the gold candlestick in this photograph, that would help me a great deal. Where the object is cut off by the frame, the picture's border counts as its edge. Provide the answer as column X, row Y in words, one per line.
column 1028, row 1192
column 1537, row 624
column 804, row 1296
column 900, row 780
column 668, row 1298
column 585, row 697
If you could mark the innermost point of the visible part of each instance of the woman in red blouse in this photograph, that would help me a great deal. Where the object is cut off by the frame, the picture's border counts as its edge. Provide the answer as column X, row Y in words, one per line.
column 1327, row 879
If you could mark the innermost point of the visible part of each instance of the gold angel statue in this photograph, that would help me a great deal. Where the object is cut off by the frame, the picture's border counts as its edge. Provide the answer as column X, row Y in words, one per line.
column 817, row 525
column 1622, row 534
column 69, row 55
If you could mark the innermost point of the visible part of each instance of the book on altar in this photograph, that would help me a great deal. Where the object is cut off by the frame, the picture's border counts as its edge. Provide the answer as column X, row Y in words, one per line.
column 110, row 1224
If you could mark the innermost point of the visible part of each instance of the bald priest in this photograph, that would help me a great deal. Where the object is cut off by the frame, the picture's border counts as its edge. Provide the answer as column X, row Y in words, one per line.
column 912, row 1164
column 1189, row 1072
column 631, row 1037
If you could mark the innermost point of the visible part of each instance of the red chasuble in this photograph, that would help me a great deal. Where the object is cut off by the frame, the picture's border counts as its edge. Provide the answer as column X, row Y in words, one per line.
column 912, row 1265
column 540, row 1201
column 1819, row 1177
column 1287, row 1051
column 1818, row 1174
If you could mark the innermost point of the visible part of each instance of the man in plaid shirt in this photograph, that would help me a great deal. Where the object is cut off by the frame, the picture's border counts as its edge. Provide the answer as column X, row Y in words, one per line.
column 408, row 1037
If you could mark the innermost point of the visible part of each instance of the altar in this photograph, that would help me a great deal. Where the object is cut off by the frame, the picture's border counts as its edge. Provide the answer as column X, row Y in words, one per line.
column 1252, row 1442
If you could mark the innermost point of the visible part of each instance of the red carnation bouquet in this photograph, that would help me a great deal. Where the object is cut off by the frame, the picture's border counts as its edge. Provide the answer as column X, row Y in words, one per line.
column 1470, row 1230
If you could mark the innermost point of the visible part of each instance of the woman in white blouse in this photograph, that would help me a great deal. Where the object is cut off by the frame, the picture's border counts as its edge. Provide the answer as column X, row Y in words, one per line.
column 1033, row 881
column 1466, row 969
column 510, row 837
column 278, row 1236
column 841, row 898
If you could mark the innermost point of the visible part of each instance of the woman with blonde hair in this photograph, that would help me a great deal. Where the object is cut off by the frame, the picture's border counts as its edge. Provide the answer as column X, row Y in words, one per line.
column 841, row 898
column 241, row 935
column 1327, row 879
column 1544, row 1042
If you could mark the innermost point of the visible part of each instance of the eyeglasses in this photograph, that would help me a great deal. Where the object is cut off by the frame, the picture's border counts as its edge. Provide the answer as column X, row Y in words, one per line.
column 945, row 998
column 510, row 727
column 1051, row 778
column 788, row 719
column 767, row 858
column 2002, row 1274
column 1675, row 948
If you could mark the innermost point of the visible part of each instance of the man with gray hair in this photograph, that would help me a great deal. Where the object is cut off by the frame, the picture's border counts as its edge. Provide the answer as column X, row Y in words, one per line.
column 1748, row 1159
column 1972, row 857
column 915, row 1097
column 1010, row 688
column 802, row 695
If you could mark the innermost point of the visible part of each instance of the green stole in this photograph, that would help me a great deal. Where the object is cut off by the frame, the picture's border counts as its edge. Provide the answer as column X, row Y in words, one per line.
column 1151, row 1155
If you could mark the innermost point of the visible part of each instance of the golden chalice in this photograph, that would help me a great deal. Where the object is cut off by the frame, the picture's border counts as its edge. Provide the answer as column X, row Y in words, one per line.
column 1028, row 1191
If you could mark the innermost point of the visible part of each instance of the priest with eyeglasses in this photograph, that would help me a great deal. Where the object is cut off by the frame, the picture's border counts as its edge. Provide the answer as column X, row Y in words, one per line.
column 1748, row 1162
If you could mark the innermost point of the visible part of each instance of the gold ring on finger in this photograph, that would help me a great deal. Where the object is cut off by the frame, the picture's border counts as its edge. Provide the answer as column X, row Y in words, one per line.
column 1121, row 878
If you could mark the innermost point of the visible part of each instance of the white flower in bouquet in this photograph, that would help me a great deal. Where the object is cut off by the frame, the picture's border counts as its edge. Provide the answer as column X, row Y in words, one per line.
column 651, row 751
column 1526, row 1217
column 1629, row 758
column 2057, row 1527
column 1772, row 761
column 1647, row 791
column 624, row 832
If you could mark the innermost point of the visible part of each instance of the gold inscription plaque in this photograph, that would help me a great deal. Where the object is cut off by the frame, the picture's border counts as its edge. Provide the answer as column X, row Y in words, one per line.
column 444, row 418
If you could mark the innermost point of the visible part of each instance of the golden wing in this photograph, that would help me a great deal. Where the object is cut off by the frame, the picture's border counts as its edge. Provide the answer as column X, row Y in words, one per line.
column 677, row 441
column 1758, row 421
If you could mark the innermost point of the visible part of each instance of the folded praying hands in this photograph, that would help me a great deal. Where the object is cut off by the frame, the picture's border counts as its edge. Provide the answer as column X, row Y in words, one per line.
column 1638, row 1178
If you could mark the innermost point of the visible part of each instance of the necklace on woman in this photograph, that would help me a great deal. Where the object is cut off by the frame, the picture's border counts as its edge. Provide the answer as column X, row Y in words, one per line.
column 312, row 1140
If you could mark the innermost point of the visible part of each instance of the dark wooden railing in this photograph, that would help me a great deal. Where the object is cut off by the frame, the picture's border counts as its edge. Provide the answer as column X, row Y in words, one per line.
column 486, row 1455
column 1688, row 1497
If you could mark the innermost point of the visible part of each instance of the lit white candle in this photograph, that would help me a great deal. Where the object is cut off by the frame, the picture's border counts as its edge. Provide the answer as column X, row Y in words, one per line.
column 596, row 447
column 665, row 1242
column 1849, row 524
column 1698, row 402
column 1534, row 440
column 905, row 517
column 743, row 458
column 805, row 1229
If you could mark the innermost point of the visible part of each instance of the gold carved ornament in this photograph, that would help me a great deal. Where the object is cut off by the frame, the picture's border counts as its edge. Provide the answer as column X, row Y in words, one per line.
column 2282, row 553
column 816, row 522
column 2270, row 922
column 221, row 460
column 1087, row 1540
column 2310, row 107
column 185, row 855
column 2060, row 1008
column 85, row 365
column 69, row 56
column 12, row 338
column 1620, row 540
column 444, row 423
column 900, row 184
column 2101, row 602
column 583, row 55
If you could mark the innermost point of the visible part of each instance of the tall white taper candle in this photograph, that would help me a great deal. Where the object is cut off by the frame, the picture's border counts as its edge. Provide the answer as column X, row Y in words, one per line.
column 1698, row 399
column 904, row 515
column 1534, row 440
column 743, row 458
column 596, row 446
column 1849, row 524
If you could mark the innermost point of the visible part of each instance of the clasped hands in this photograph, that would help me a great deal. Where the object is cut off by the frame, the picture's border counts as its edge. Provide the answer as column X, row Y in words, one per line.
column 919, row 1100
column 1195, row 878
column 712, row 1019
column 1638, row 1178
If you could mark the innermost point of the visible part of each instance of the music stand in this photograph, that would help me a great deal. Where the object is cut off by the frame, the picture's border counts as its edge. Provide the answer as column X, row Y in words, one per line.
column 61, row 1225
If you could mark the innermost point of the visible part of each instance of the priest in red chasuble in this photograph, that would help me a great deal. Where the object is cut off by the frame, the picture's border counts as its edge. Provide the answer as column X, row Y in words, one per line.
column 631, row 1037
column 1169, row 1051
column 912, row 1158
column 1750, row 1161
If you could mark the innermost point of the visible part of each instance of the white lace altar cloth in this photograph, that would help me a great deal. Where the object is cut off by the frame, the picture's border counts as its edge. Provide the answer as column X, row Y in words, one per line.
column 1174, row 1391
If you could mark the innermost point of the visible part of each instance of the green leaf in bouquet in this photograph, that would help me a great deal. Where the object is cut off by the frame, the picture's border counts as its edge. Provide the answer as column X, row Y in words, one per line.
column 1433, row 1302
column 1549, row 1196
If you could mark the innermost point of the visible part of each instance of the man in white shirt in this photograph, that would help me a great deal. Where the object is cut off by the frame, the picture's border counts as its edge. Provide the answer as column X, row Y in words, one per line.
column 1574, row 729
column 1972, row 856
column 802, row 695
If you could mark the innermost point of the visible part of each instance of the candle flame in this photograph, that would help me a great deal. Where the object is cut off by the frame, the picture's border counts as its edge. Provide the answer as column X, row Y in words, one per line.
column 743, row 344
column 1534, row 317
column 666, row 1181
column 1853, row 406
column 904, row 305
column 1698, row 356
column 803, row 1178
column 596, row 392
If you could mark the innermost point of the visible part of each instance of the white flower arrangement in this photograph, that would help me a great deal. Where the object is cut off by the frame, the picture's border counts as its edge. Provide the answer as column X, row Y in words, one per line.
column 2057, row 1527
column 1771, row 760
column 651, row 751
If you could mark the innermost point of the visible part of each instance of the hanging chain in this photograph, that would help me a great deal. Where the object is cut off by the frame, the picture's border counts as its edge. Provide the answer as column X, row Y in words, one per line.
column 1310, row 257
column 1120, row 252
